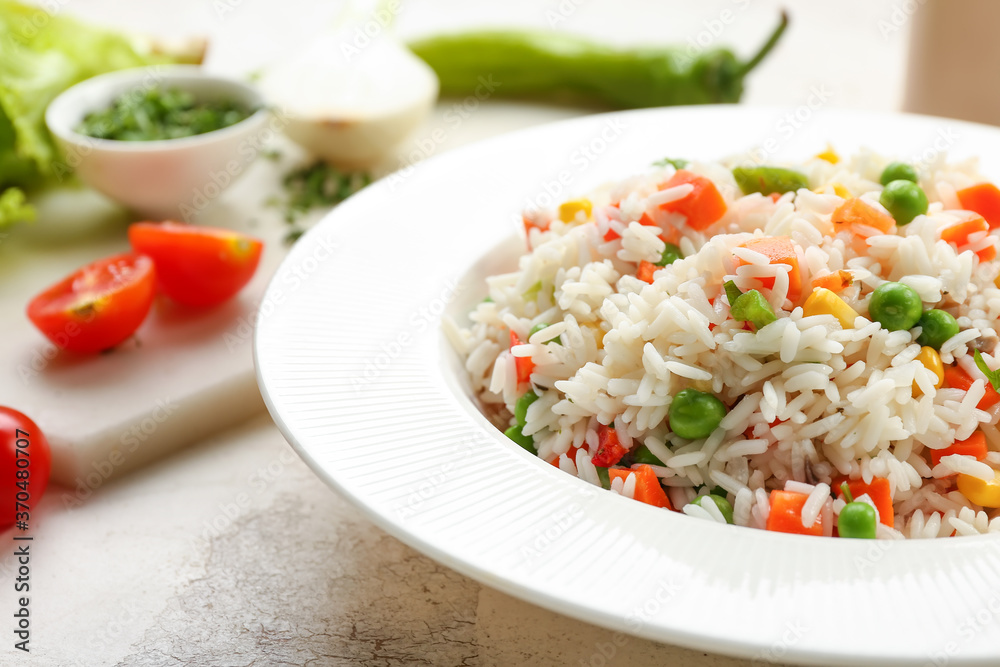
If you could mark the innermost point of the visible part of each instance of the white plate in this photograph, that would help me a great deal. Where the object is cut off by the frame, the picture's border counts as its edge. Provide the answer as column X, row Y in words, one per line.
column 357, row 374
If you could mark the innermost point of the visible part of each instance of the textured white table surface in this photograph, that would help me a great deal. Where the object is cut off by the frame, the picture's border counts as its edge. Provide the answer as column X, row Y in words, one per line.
column 232, row 552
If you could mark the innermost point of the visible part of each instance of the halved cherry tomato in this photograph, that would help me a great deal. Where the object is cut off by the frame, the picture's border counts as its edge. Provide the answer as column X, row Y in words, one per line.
column 25, row 463
column 197, row 266
column 97, row 307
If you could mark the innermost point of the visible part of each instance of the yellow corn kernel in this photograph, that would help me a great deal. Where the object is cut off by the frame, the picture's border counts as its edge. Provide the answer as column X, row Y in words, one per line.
column 841, row 191
column 996, row 281
column 598, row 334
column 829, row 155
column 824, row 302
column 931, row 360
column 985, row 494
column 569, row 209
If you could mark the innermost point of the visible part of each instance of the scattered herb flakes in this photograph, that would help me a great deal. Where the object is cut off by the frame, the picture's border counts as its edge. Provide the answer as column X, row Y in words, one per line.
column 318, row 185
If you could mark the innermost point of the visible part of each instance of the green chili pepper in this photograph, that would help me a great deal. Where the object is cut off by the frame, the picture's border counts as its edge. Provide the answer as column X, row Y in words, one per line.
column 769, row 180
column 749, row 306
column 604, row 476
column 671, row 253
column 676, row 162
column 856, row 519
column 549, row 65
column 752, row 307
column 515, row 434
column 643, row 455
column 542, row 325
column 732, row 291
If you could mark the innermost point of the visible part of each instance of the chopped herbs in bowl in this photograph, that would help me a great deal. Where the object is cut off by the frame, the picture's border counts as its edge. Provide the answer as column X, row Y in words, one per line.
column 164, row 142
column 160, row 113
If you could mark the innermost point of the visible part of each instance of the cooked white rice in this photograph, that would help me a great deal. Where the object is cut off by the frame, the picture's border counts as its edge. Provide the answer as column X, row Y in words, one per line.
column 809, row 402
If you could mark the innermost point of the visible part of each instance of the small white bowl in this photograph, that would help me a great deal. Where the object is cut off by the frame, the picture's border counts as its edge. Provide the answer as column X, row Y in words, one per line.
column 171, row 178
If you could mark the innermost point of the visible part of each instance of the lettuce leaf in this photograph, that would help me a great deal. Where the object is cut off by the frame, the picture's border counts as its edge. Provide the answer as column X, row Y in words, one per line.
column 41, row 55
column 14, row 207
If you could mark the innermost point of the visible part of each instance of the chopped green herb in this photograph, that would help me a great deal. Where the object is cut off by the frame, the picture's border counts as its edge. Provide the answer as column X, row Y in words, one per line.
column 604, row 476
column 156, row 114
column 992, row 376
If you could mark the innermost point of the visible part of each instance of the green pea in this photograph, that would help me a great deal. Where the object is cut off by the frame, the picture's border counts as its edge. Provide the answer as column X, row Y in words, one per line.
column 670, row 255
column 857, row 520
column 936, row 326
column 543, row 325
column 642, row 455
column 895, row 306
column 720, row 502
column 695, row 414
column 526, row 441
column 521, row 407
column 897, row 171
column 904, row 200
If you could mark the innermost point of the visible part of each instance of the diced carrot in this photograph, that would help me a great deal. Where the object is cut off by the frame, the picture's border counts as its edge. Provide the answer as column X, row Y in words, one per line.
column 611, row 235
column 571, row 454
column 530, row 224
column 959, row 233
column 775, row 196
column 956, row 378
column 836, row 282
column 786, row 514
column 859, row 212
column 974, row 445
column 647, row 485
column 878, row 491
column 609, row 449
column 703, row 207
column 780, row 250
column 984, row 199
column 646, row 270
column 524, row 365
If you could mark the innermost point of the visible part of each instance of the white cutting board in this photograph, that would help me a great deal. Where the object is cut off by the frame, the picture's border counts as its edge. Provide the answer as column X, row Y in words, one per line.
column 185, row 374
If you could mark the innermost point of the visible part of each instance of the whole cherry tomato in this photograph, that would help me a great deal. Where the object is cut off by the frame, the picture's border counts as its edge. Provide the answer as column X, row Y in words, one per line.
column 25, row 463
